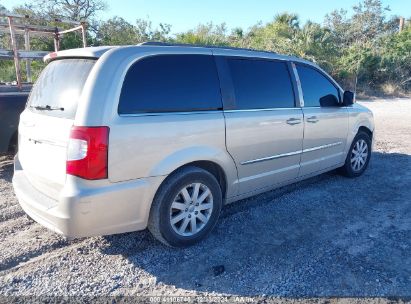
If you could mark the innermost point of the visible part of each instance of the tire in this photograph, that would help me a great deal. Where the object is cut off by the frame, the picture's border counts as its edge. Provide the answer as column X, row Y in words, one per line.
column 13, row 143
column 351, row 168
column 172, row 203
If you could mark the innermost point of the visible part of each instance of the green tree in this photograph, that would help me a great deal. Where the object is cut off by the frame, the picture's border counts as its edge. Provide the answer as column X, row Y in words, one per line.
column 395, row 65
column 205, row 34
column 77, row 10
column 147, row 32
column 290, row 20
column 366, row 25
column 116, row 31
column 314, row 43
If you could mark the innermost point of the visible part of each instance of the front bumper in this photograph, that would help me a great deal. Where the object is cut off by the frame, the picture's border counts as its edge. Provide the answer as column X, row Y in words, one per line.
column 88, row 208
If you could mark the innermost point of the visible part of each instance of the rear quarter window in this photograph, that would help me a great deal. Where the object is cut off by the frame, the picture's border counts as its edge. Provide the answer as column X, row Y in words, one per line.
column 171, row 83
column 59, row 87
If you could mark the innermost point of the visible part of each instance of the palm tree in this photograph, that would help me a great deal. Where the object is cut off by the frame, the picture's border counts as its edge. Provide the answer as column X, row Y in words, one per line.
column 289, row 19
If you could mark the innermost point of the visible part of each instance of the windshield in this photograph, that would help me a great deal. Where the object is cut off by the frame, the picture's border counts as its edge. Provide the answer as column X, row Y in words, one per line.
column 59, row 87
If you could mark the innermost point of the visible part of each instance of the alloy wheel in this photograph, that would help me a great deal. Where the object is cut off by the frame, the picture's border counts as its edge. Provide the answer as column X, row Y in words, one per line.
column 191, row 209
column 359, row 155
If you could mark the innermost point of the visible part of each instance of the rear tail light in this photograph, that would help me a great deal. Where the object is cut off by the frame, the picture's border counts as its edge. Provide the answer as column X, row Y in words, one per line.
column 87, row 152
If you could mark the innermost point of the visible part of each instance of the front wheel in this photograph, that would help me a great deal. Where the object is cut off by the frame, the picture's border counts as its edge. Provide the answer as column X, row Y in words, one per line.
column 358, row 156
column 186, row 207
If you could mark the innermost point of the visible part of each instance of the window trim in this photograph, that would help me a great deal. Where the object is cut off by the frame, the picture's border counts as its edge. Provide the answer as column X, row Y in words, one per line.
column 164, row 111
column 323, row 73
column 299, row 98
column 227, row 86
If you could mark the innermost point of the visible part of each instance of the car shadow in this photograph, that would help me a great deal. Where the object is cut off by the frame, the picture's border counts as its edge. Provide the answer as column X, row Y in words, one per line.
column 325, row 236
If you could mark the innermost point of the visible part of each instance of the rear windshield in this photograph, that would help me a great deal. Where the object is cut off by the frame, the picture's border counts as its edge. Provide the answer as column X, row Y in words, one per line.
column 58, row 89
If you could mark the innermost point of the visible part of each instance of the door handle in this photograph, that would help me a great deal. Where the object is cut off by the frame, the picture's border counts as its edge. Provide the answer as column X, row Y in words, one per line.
column 293, row 121
column 312, row 119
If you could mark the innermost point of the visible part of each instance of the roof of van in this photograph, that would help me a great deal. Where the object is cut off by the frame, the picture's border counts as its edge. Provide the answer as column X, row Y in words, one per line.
column 98, row 51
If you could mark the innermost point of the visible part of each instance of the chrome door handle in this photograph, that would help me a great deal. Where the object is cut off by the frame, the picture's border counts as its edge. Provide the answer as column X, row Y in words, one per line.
column 312, row 119
column 293, row 121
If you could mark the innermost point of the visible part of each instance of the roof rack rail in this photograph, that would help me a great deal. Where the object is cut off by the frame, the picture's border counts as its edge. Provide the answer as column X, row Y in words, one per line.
column 159, row 43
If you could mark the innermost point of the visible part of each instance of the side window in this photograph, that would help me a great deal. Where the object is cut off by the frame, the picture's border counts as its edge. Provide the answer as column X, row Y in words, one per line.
column 260, row 84
column 317, row 89
column 171, row 83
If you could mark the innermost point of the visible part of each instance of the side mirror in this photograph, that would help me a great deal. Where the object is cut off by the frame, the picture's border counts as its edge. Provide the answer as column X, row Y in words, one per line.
column 348, row 98
column 329, row 100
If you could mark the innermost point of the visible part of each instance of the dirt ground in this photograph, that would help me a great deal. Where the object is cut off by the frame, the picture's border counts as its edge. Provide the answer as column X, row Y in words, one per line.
column 328, row 236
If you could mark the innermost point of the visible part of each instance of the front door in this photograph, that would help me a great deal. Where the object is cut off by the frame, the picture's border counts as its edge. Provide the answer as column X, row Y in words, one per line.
column 325, row 122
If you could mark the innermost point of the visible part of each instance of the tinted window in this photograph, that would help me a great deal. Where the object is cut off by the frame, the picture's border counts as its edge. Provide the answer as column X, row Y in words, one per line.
column 59, row 86
column 261, row 84
column 167, row 83
column 315, row 86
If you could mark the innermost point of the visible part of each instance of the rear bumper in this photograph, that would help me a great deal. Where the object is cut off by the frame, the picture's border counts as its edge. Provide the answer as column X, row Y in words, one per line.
column 88, row 208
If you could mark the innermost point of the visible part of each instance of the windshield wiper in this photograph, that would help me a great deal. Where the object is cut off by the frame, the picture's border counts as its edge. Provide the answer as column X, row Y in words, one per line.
column 47, row 108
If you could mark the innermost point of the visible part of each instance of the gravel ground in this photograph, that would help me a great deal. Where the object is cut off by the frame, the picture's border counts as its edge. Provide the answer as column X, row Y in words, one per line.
column 328, row 236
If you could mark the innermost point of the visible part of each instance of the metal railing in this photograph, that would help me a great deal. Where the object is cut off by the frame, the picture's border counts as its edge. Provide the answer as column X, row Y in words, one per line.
column 15, row 29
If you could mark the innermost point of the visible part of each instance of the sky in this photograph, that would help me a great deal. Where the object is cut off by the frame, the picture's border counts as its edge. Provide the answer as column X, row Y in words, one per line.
column 187, row 14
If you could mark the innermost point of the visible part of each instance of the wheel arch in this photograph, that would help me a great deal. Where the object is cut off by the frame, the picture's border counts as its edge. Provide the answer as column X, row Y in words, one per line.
column 360, row 120
column 213, row 160
column 363, row 125
column 366, row 130
column 212, row 167
column 215, row 169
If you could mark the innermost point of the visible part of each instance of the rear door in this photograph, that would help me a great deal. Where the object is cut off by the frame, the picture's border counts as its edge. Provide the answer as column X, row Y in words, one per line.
column 325, row 125
column 46, row 122
column 264, row 128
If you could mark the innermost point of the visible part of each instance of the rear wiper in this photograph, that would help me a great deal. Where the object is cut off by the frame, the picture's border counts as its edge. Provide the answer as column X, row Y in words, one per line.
column 47, row 108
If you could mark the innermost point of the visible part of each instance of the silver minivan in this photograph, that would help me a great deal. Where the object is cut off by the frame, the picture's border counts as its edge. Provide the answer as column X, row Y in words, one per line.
column 161, row 136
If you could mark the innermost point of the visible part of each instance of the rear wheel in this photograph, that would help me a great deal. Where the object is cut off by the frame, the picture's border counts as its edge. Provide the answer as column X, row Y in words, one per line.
column 13, row 143
column 358, row 156
column 186, row 207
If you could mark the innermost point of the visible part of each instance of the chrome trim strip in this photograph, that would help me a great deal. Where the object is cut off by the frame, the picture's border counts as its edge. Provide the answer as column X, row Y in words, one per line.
column 260, row 110
column 290, row 153
column 322, row 147
column 270, row 157
column 171, row 113
column 317, row 160
column 14, row 93
column 248, row 178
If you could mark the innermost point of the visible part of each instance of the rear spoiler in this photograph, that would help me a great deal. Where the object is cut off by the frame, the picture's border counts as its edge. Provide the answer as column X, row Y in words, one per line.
column 47, row 58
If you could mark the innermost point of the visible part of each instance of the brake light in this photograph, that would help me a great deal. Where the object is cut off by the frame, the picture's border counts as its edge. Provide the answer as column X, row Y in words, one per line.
column 87, row 152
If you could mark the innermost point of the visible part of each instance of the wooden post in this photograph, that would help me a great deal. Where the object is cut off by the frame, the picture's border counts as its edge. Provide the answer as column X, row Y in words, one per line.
column 15, row 52
column 27, row 47
column 83, row 34
column 56, row 40
column 402, row 22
